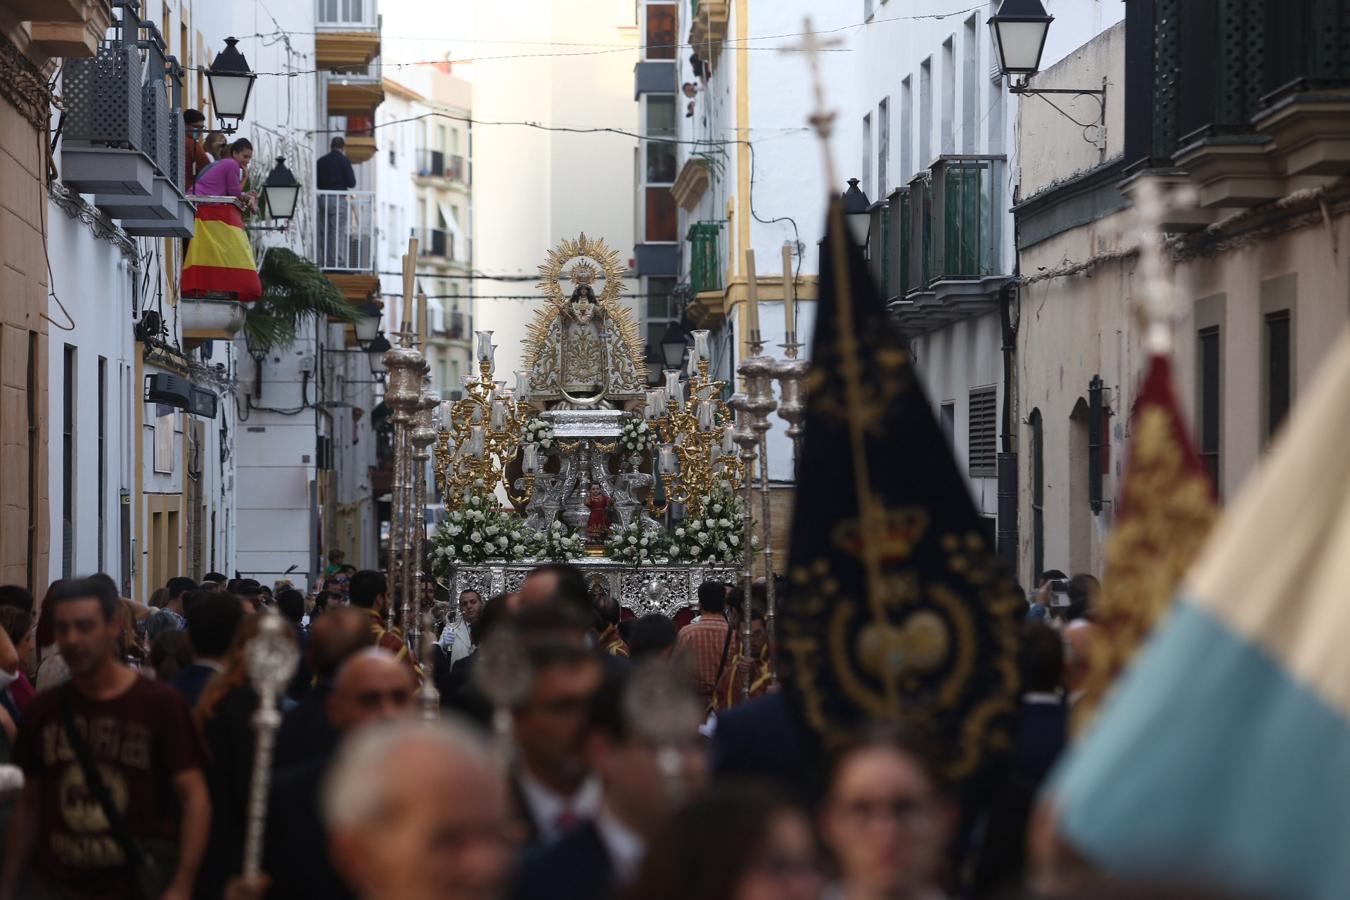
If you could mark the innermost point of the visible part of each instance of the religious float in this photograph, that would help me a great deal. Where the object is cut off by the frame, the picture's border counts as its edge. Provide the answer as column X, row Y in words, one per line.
column 636, row 485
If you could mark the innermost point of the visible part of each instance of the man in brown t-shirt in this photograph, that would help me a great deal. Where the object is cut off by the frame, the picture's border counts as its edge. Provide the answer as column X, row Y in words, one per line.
column 141, row 739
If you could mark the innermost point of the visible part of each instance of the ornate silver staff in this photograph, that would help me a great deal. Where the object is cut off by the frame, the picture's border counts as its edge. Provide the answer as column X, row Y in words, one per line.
column 271, row 658
column 431, row 698
column 759, row 403
column 422, row 436
column 502, row 672
column 662, row 708
column 403, row 394
column 747, row 440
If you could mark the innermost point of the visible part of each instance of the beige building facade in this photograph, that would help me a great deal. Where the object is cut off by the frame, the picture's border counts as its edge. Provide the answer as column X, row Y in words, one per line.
column 1257, row 222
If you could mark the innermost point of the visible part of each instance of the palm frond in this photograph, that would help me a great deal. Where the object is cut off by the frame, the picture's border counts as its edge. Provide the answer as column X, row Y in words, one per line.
column 293, row 289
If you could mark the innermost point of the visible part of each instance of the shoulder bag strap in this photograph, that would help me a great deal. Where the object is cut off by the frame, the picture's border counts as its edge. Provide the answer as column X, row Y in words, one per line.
column 94, row 782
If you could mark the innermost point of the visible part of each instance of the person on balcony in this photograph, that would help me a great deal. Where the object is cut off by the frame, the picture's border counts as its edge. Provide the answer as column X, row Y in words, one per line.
column 219, row 260
column 194, row 155
column 334, row 177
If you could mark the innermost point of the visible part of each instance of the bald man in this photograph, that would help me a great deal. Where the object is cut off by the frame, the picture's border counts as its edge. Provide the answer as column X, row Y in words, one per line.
column 371, row 687
column 307, row 733
column 418, row 810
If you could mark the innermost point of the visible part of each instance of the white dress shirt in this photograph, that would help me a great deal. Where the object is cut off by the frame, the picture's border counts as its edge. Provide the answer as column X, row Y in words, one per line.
column 547, row 805
column 624, row 845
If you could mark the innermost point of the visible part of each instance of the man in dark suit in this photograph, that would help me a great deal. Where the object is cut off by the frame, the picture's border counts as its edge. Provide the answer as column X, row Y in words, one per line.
column 597, row 859
column 335, row 172
column 306, row 732
column 212, row 619
column 371, row 686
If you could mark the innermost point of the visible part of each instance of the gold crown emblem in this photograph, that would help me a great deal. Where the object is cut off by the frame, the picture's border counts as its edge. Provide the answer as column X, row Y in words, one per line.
column 894, row 535
column 582, row 273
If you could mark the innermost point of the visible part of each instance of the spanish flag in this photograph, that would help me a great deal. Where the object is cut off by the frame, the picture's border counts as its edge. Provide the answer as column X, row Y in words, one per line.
column 1224, row 750
column 219, row 259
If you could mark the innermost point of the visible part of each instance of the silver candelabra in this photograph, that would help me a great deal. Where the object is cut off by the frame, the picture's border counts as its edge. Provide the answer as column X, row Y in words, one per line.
column 758, row 372
column 271, row 659
column 407, row 375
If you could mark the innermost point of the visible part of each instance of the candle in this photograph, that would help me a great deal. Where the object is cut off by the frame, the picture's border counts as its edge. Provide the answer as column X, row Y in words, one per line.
column 666, row 461
column 529, row 463
column 656, row 403
column 729, row 440
column 706, row 413
column 674, row 387
column 498, row 415
column 701, row 352
column 422, row 319
column 484, row 346
column 752, row 298
column 476, row 441
column 522, row 384
column 476, row 417
column 789, row 296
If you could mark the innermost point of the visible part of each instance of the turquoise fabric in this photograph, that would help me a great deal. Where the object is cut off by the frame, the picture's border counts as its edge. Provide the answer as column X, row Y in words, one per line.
column 1211, row 761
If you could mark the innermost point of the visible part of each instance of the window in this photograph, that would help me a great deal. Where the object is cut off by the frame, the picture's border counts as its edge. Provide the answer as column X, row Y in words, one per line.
column 906, row 130
column 1279, row 382
column 926, row 113
column 68, row 376
column 1037, row 493
column 949, row 421
column 660, row 163
column 867, row 156
column 883, row 148
column 102, row 499
column 970, row 87
column 1209, row 371
column 948, row 96
column 982, row 431
column 660, row 39
column 661, row 308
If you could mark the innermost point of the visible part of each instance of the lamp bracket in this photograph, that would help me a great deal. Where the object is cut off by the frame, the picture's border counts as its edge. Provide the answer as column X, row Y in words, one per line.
column 1093, row 132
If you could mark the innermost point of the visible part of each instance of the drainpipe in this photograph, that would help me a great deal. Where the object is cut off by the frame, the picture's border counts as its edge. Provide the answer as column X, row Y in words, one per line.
column 1007, row 456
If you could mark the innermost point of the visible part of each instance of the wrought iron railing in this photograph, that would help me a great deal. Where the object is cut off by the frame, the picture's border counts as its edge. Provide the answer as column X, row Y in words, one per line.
column 344, row 230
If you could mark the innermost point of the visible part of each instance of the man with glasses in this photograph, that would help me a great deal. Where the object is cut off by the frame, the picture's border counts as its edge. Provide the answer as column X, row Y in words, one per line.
column 371, row 687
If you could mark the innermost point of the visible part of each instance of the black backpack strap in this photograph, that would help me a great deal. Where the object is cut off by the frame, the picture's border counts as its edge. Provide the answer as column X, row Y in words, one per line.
column 120, row 832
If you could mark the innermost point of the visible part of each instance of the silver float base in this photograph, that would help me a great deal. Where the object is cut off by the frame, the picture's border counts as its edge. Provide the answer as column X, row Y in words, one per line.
column 646, row 589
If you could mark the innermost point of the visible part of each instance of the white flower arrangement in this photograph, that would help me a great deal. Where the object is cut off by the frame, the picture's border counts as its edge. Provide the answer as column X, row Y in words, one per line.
column 716, row 534
column 477, row 531
column 557, row 544
column 537, row 431
column 636, row 546
column 637, row 437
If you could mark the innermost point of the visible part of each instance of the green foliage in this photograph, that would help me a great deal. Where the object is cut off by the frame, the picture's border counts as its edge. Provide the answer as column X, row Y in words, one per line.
column 293, row 288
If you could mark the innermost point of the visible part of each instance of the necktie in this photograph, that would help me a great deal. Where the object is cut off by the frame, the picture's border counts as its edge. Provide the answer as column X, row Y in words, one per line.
column 566, row 822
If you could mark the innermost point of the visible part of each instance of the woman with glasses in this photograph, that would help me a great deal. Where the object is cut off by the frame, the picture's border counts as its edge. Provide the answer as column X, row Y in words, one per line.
column 887, row 821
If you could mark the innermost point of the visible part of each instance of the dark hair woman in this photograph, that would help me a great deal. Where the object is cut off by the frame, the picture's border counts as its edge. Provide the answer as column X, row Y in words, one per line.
column 737, row 841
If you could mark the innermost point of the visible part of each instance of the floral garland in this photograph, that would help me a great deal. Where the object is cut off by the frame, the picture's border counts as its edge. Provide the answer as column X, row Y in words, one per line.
column 633, row 545
column 537, row 431
column 557, row 544
column 478, row 531
column 636, row 437
column 717, row 534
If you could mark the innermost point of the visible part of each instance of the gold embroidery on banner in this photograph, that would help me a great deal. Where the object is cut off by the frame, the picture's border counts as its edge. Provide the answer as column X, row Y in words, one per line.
column 1168, row 510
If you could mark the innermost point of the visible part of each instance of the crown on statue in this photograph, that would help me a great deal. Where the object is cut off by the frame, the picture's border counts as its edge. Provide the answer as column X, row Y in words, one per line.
column 582, row 273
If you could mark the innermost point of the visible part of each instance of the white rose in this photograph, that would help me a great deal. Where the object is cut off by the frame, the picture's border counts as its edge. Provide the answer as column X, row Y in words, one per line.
column 735, row 541
column 502, row 541
column 642, row 554
column 475, row 537
column 679, row 532
column 717, row 507
column 724, row 523
column 643, row 542
column 674, row 552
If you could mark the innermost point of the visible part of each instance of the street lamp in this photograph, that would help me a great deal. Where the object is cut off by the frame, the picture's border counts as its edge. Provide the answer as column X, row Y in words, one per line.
column 367, row 326
column 673, row 346
column 281, row 192
column 230, row 81
column 857, row 213
column 1019, row 28
column 375, row 351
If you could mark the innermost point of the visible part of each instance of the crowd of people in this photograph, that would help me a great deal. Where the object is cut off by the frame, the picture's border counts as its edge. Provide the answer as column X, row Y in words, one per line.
column 130, row 737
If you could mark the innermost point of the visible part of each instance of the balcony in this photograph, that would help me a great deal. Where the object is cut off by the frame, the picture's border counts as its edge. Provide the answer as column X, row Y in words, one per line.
column 344, row 241
column 705, row 271
column 122, row 137
column 708, row 27
column 70, row 29
column 356, row 90
column 439, row 164
column 937, row 247
column 347, row 34
column 435, row 243
column 1255, row 105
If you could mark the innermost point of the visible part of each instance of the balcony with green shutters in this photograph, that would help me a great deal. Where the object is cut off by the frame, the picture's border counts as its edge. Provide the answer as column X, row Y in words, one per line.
column 705, row 265
column 945, row 242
